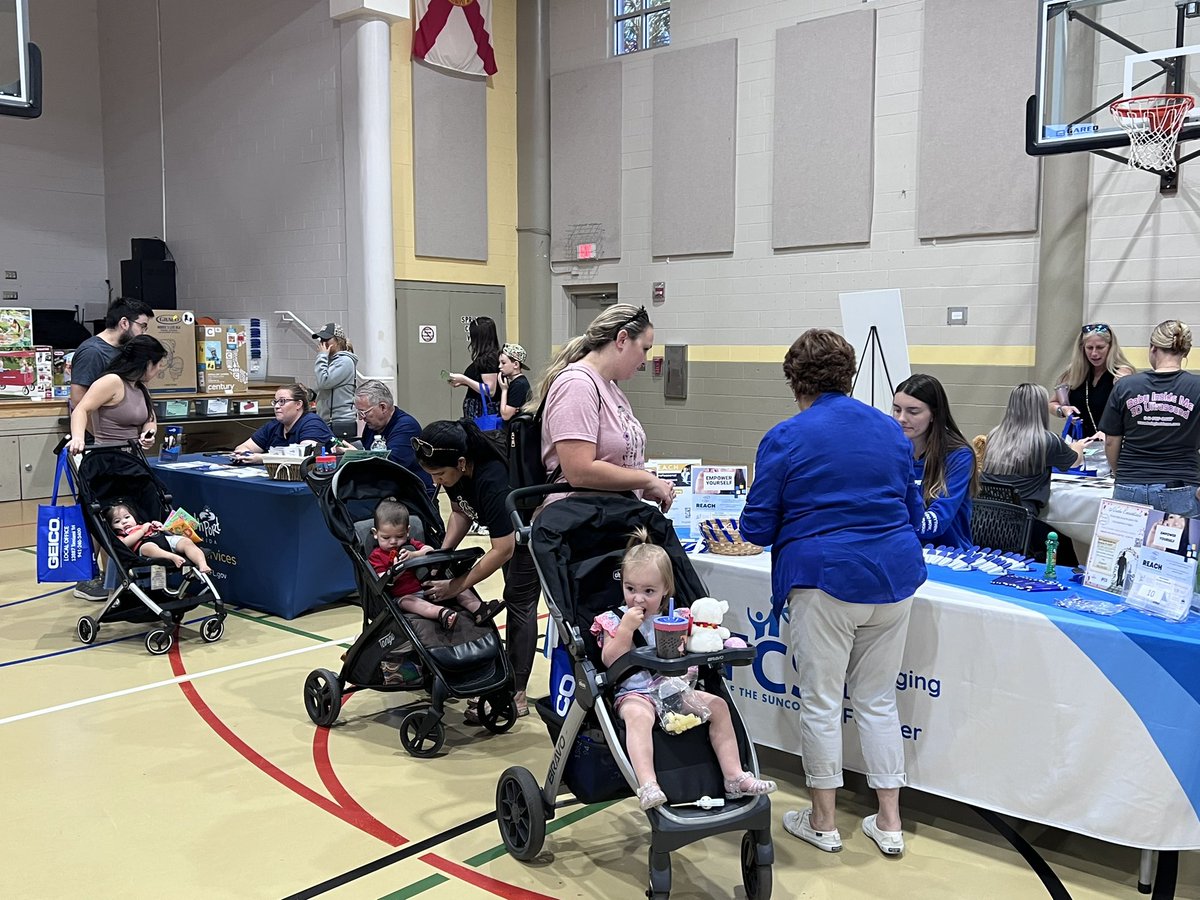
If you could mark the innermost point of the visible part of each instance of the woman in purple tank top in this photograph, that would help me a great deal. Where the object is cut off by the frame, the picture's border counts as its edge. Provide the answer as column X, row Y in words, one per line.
column 117, row 406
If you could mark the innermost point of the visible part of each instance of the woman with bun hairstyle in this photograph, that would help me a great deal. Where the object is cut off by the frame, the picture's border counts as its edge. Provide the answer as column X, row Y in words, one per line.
column 1095, row 366
column 943, row 461
column 293, row 424
column 1152, row 427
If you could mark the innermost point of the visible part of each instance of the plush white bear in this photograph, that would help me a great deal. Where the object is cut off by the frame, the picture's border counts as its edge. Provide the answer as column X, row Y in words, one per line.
column 708, row 635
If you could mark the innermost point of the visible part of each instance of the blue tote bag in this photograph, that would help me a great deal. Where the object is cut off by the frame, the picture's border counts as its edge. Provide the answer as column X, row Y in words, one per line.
column 64, row 548
column 488, row 422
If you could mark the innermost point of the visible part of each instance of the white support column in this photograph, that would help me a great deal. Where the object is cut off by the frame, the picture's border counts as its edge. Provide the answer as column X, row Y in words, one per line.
column 367, row 139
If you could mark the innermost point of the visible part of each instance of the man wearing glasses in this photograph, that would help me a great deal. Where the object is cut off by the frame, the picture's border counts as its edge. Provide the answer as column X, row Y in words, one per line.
column 126, row 318
column 294, row 424
column 375, row 407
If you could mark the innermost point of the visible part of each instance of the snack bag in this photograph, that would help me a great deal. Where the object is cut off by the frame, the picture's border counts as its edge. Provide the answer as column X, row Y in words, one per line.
column 183, row 523
column 678, row 706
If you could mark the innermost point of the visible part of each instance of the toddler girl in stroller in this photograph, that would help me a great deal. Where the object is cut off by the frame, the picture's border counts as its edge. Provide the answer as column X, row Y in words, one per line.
column 394, row 548
column 646, row 579
column 148, row 539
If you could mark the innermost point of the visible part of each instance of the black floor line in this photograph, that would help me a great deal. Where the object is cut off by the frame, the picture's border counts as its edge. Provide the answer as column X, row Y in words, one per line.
column 384, row 861
column 1041, row 868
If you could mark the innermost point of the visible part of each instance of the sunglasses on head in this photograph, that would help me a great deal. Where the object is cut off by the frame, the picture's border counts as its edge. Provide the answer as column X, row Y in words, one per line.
column 426, row 449
column 1095, row 328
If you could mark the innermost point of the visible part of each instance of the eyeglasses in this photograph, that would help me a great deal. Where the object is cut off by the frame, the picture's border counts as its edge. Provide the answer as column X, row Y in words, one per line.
column 278, row 402
column 1095, row 328
column 426, row 449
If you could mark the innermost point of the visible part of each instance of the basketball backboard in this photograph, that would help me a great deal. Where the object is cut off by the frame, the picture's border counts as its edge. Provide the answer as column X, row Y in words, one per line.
column 1092, row 52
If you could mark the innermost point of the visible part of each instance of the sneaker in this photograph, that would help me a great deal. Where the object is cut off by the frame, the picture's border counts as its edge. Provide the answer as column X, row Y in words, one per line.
column 746, row 785
column 91, row 590
column 651, row 796
column 799, row 824
column 890, row 843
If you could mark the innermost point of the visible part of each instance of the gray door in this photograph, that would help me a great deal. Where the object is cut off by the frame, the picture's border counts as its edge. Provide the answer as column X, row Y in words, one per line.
column 589, row 303
column 448, row 308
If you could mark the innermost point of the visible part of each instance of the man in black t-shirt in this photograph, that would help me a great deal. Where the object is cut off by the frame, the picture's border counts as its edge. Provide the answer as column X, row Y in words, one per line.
column 126, row 318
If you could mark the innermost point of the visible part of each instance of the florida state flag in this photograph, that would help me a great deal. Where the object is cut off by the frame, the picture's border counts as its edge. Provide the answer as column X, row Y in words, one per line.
column 455, row 34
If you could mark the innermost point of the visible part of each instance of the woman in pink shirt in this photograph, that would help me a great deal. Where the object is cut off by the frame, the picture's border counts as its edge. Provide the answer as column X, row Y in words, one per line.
column 590, row 436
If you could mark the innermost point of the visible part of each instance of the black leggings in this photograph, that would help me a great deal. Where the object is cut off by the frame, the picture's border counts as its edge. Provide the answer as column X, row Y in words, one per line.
column 521, row 593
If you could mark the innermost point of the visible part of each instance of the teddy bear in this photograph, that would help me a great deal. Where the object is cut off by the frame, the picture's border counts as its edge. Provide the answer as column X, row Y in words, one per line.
column 707, row 635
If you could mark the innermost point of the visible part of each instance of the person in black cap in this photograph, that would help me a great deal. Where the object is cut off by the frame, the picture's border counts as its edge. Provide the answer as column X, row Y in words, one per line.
column 335, row 373
column 514, row 387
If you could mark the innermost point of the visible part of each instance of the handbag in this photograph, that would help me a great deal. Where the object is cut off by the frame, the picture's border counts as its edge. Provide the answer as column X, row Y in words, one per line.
column 64, row 548
column 488, row 422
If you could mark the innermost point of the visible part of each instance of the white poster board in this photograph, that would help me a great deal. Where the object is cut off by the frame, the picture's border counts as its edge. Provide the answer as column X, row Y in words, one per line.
column 873, row 323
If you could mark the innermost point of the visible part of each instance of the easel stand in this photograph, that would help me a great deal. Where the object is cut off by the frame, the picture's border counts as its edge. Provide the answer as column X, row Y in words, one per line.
column 874, row 347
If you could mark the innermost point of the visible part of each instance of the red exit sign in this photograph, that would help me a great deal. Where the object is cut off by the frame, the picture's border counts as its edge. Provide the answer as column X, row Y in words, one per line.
column 585, row 251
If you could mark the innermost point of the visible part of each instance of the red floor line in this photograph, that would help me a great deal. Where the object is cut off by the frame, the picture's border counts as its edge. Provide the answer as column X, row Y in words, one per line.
column 484, row 882
column 355, row 817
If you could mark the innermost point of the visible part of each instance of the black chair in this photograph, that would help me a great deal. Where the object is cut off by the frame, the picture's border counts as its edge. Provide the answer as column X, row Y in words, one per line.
column 1002, row 492
column 1001, row 526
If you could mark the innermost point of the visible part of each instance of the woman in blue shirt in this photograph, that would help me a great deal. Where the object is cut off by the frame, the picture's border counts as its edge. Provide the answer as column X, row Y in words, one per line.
column 294, row 424
column 944, row 464
column 834, row 496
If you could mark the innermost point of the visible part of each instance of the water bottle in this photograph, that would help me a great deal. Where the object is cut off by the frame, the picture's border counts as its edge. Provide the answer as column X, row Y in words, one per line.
column 1051, row 555
column 379, row 443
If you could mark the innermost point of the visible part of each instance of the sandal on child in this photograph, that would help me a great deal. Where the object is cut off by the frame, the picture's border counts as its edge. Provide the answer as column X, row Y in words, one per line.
column 746, row 785
column 487, row 611
column 651, row 796
column 471, row 716
column 446, row 618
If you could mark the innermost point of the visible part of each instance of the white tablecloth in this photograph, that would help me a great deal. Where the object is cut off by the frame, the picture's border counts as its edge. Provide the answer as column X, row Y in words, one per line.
column 1074, row 502
column 1054, row 717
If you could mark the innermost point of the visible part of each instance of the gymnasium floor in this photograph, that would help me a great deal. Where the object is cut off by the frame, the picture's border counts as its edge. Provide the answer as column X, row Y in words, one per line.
column 198, row 774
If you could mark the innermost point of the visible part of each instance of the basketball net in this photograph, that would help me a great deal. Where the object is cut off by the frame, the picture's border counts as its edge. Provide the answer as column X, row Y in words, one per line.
column 1153, row 124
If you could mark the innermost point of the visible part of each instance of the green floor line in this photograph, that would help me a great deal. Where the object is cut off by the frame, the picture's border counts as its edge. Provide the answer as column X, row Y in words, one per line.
column 263, row 620
column 425, row 884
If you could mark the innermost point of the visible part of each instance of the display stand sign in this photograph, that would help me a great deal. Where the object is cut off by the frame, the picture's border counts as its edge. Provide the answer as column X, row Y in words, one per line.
column 1119, row 534
column 1162, row 584
column 678, row 473
column 717, row 492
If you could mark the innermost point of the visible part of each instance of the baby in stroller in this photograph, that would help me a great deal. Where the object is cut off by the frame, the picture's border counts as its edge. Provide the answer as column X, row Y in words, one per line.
column 148, row 539
column 391, row 533
column 646, row 579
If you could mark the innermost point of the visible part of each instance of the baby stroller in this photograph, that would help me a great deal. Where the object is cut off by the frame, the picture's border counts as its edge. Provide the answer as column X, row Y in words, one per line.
column 468, row 662
column 146, row 591
column 577, row 546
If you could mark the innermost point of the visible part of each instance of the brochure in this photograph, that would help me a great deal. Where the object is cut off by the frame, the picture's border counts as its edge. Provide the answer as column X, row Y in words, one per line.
column 718, row 492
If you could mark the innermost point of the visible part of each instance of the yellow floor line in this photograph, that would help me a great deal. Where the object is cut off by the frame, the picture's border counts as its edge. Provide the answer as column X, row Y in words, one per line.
column 193, row 676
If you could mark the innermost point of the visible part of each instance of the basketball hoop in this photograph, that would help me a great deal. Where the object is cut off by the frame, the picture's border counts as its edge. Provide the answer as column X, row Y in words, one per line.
column 1153, row 123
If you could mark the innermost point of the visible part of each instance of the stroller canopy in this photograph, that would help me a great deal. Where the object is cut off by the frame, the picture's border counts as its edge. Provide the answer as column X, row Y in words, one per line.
column 358, row 487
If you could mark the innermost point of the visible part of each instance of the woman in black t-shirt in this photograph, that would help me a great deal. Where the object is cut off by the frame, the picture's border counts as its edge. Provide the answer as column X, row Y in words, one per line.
column 484, row 369
column 1095, row 365
column 460, row 458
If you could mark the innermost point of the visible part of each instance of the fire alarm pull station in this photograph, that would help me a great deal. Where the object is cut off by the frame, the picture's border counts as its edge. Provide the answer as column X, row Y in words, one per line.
column 658, row 365
column 659, row 291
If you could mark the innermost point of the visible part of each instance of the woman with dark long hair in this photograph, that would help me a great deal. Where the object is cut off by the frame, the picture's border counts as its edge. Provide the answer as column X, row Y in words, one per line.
column 469, row 465
column 117, row 405
column 943, row 461
column 483, row 370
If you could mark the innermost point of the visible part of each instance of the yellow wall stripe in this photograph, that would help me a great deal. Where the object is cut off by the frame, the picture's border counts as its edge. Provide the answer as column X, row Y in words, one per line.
column 919, row 354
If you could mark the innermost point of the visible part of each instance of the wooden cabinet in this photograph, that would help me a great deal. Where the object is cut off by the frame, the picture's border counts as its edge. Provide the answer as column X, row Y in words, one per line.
column 10, row 469
column 38, row 464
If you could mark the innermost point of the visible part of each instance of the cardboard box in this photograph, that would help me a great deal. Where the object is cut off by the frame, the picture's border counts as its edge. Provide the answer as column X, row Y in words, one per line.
column 16, row 329
column 61, row 368
column 176, row 329
column 221, row 359
column 27, row 373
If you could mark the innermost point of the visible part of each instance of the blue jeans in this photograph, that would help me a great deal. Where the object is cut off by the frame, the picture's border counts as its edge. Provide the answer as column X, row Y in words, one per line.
column 1179, row 500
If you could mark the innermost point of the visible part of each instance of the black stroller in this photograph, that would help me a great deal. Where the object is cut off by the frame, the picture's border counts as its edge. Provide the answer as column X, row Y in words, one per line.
column 577, row 546
column 145, row 591
column 468, row 662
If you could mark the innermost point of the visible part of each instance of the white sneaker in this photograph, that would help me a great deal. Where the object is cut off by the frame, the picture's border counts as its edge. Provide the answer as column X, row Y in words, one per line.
column 890, row 843
column 800, row 824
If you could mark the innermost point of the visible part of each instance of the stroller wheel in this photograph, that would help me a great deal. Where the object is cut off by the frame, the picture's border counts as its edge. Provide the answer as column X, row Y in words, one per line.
column 159, row 641
column 212, row 629
column 497, row 712
column 756, row 876
column 418, row 737
column 323, row 697
column 520, row 813
column 86, row 630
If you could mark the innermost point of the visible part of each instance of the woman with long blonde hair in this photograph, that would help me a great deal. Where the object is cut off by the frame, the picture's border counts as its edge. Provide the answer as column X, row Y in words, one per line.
column 1095, row 366
column 590, row 436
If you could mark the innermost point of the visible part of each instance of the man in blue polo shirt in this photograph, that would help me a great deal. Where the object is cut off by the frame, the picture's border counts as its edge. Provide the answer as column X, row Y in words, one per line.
column 293, row 424
column 373, row 404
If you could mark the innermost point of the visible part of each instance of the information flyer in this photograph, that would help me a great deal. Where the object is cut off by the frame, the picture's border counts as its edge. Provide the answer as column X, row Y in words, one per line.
column 678, row 473
column 1162, row 584
column 1120, row 532
column 717, row 492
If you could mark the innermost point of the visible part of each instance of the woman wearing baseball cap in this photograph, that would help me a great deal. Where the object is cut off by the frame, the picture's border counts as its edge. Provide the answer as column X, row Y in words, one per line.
column 514, row 387
column 335, row 372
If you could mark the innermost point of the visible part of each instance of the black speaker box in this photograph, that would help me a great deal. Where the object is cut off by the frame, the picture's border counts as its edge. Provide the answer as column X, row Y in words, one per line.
column 151, row 281
column 147, row 249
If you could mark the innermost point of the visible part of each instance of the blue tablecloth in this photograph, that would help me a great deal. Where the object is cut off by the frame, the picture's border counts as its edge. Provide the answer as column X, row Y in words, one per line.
column 266, row 540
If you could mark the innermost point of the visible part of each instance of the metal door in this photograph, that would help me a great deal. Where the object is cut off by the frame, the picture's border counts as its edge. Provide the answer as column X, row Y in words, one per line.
column 422, row 306
column 589, row 303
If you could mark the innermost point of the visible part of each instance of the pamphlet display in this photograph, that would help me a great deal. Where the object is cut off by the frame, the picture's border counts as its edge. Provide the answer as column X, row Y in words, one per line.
column 678, row 473
column 718, row 492
column 1120, row 532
